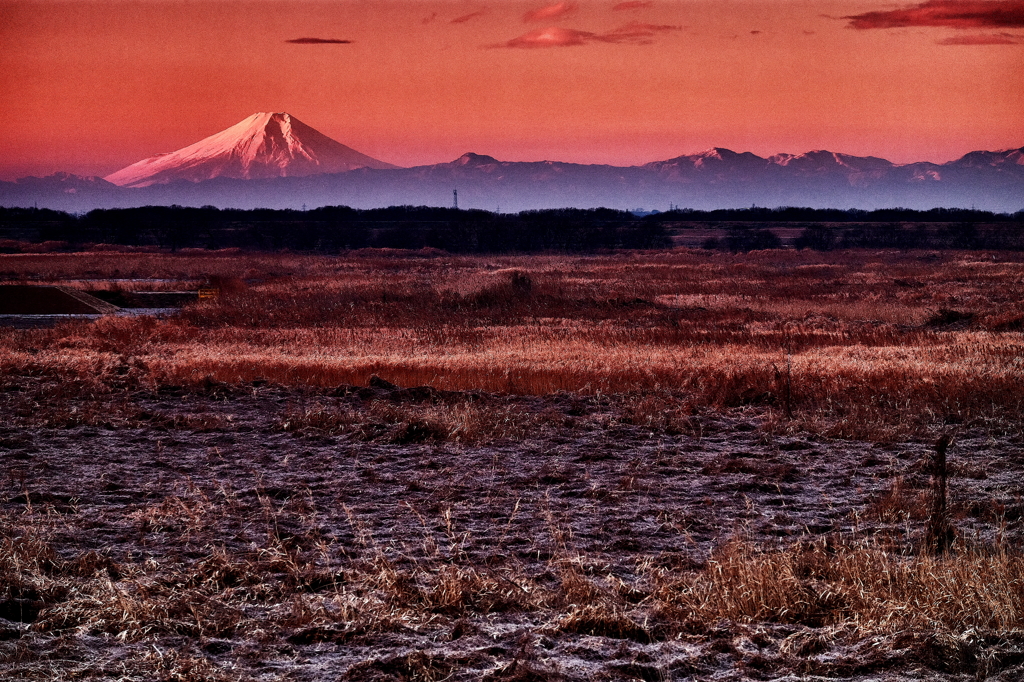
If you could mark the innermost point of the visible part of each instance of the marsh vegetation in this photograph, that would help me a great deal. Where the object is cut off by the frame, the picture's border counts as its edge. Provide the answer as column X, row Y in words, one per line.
column 648, row 465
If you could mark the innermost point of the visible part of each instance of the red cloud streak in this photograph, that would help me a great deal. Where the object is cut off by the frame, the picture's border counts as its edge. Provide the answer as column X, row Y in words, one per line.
column 948, row 13
column 554, row 36
column 636, row 32
column 984, row 39
column 632, row 4
column 551, row 12
column 467, row 17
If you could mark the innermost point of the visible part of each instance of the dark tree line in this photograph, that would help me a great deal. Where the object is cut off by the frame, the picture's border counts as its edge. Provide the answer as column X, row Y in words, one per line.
column 961, row 235
column 333, row 229
column 818, row 237
column 791, row 214
column 337, row 228
column 748, row 229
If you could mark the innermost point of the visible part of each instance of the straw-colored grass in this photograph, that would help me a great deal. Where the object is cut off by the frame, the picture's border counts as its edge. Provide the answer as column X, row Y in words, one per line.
column 855, row 338
column 860, row 585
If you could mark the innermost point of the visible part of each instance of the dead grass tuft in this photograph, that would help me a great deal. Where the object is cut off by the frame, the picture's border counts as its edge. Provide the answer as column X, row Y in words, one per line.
column 384, row 421
column 864, row 586
column 603, row 620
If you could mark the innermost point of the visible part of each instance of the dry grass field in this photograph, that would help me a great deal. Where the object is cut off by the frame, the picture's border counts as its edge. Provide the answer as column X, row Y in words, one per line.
column 655, row 465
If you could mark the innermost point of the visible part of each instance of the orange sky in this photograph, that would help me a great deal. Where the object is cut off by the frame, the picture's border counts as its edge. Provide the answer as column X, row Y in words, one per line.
column 91, row 86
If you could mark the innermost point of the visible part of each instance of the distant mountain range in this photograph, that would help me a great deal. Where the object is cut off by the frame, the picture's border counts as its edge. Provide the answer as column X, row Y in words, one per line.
column 273, row 160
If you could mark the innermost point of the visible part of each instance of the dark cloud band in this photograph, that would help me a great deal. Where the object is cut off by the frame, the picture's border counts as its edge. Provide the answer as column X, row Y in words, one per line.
column 632, row 4
column 318, row 41
column 947, row 13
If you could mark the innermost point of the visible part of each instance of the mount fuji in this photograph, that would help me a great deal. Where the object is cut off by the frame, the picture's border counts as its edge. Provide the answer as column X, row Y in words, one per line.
column 265, row 145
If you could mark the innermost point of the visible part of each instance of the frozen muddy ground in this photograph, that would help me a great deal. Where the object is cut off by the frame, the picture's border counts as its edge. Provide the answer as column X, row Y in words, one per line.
column 177, row 477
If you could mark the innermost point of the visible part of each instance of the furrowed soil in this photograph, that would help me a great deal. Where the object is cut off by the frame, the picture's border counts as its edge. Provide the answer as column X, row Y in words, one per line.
column 674, row 466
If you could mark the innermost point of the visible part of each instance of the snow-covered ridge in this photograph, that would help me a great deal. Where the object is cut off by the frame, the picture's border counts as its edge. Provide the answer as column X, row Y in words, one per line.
column 264, row 145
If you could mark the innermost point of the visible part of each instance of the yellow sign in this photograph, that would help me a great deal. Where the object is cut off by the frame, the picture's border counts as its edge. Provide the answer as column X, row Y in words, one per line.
column 208, row 293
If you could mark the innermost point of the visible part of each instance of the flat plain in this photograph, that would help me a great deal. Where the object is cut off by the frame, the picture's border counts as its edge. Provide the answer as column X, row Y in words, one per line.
column 402, row 465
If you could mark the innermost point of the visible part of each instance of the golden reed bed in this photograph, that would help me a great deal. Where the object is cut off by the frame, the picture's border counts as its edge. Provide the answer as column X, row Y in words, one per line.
column 857, row 343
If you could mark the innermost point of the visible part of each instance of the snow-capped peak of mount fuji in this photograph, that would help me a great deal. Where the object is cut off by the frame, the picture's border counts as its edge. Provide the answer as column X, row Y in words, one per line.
column 264, row 145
